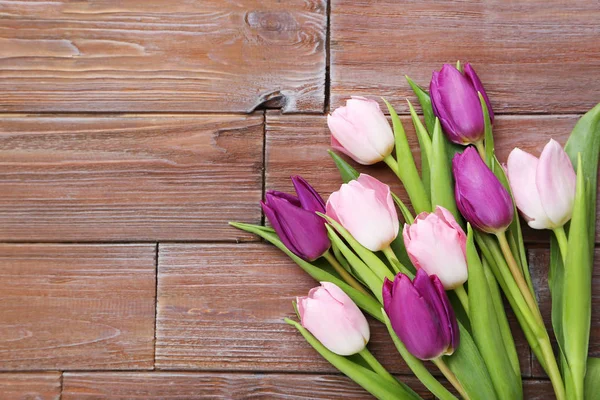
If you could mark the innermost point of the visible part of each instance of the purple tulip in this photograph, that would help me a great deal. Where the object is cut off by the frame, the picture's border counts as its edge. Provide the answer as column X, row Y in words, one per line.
column 421, row 315
column 456, row 103
column 301, row 230
column 480, row 196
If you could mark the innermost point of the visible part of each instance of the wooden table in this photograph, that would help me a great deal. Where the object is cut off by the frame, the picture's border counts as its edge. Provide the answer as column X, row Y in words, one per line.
column 132, row 131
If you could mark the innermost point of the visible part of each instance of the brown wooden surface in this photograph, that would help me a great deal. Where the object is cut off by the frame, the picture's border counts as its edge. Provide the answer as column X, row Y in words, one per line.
column 105, row 178
column 76, row 306
column 162, row 55
column 534, row 57
column 30, row 386
column 127, row 130
column 188, row 386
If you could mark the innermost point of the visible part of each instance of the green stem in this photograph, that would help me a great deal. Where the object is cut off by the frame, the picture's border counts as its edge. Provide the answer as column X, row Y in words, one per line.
column 376, row 365
column 561, row 238
column 413, row 185
column 396, row 264
column 552, row 368
column 451, row 377
column 481, row 149
column 461, row 293
column 518, row 275
column 349, row 279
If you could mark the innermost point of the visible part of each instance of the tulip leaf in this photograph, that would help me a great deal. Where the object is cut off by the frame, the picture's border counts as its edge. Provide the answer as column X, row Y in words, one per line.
column 489, row 137
column 424, row 144
column 367, row 303
column 346, row 171
column 373, row 383
column 406, row 168
column 425, row 102
column 442, row 188
column 487, row 332
column 417, row 366
column 406, row 214
column 469, row 368
column 592, row 379
column 364, row 273
column 370, row 258
column 577, row 292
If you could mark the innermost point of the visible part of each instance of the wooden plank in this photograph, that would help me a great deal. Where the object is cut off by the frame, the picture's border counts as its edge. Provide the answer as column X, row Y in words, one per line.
column 77, row 306
column 533, row 57
column 539, row 260
column 221, row 307
column 537, row 390
column 182, row 385
column 130, row 178
column 162, row 56
column 24, row 386
column 297, row 145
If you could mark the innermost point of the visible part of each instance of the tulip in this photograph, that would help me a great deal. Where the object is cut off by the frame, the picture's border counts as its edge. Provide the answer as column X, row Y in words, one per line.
column 333, row 318
column 361, row 131
column 437, row 244
column 421, row 315
column 294, row 219
column 455, row 102
column 480, row 196
column 544, row 188
column 365, row 208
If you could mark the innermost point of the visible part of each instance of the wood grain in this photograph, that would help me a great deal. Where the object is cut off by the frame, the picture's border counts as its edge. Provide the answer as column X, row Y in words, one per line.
column 539, row 261
column 188, row 386
column 77, row 306
column 130, row 178
column 30, row 386
column 297, row 145
column 161, row 55
column 533, row 57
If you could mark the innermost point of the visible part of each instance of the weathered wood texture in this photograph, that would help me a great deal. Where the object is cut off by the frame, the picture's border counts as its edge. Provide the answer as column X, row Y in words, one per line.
column 131, row 178
column 77, row 306
column 298, row 145
column 161, row 55
column 539, row 260
column 188, row 386
column 30, row 386
column 534, row 57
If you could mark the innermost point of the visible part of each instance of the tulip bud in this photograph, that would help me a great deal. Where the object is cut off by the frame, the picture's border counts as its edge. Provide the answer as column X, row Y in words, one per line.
column 333, row 318
column 361, row 131
column 455, row 102
column 437, row 244
column 421, row 315
column 301, row 230
column 544, row 188
column 480, row 196
column 365, row 208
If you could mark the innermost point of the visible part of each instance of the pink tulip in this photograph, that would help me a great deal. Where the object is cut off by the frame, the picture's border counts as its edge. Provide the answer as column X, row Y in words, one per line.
column 361, row 131
column 544, row 188
column 437, row 244
column 333, row 318
column 365, row 208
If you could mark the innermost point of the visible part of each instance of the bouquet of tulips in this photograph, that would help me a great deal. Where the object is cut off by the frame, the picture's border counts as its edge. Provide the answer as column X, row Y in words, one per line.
column 440, row 285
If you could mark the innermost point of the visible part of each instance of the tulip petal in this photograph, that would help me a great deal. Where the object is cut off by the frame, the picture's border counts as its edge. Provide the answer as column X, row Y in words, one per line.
column 387, row 293
column 449, row 219
column 521, row 170
column 308, row 196
column 291, row 198
column 355, row 143
column 426, row 288
column 383, row 194
column 556, row 181
column 476, row 82
column 450, row 315
column 367, row 117
column 281, row 232
column 351, row 310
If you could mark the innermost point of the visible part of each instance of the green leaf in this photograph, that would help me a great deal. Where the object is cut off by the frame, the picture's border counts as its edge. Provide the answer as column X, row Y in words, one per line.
column 425, row 102
column 489, row 137
column 416, row 365
column 442, row 188
column 406, row 214
column 368, row 304
column 373, row 383
column 487, row 331
column 346, row 171
column 592, row 379
column 406, row 169
column 470, row 369
column 577, row 292
column 424, row 144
